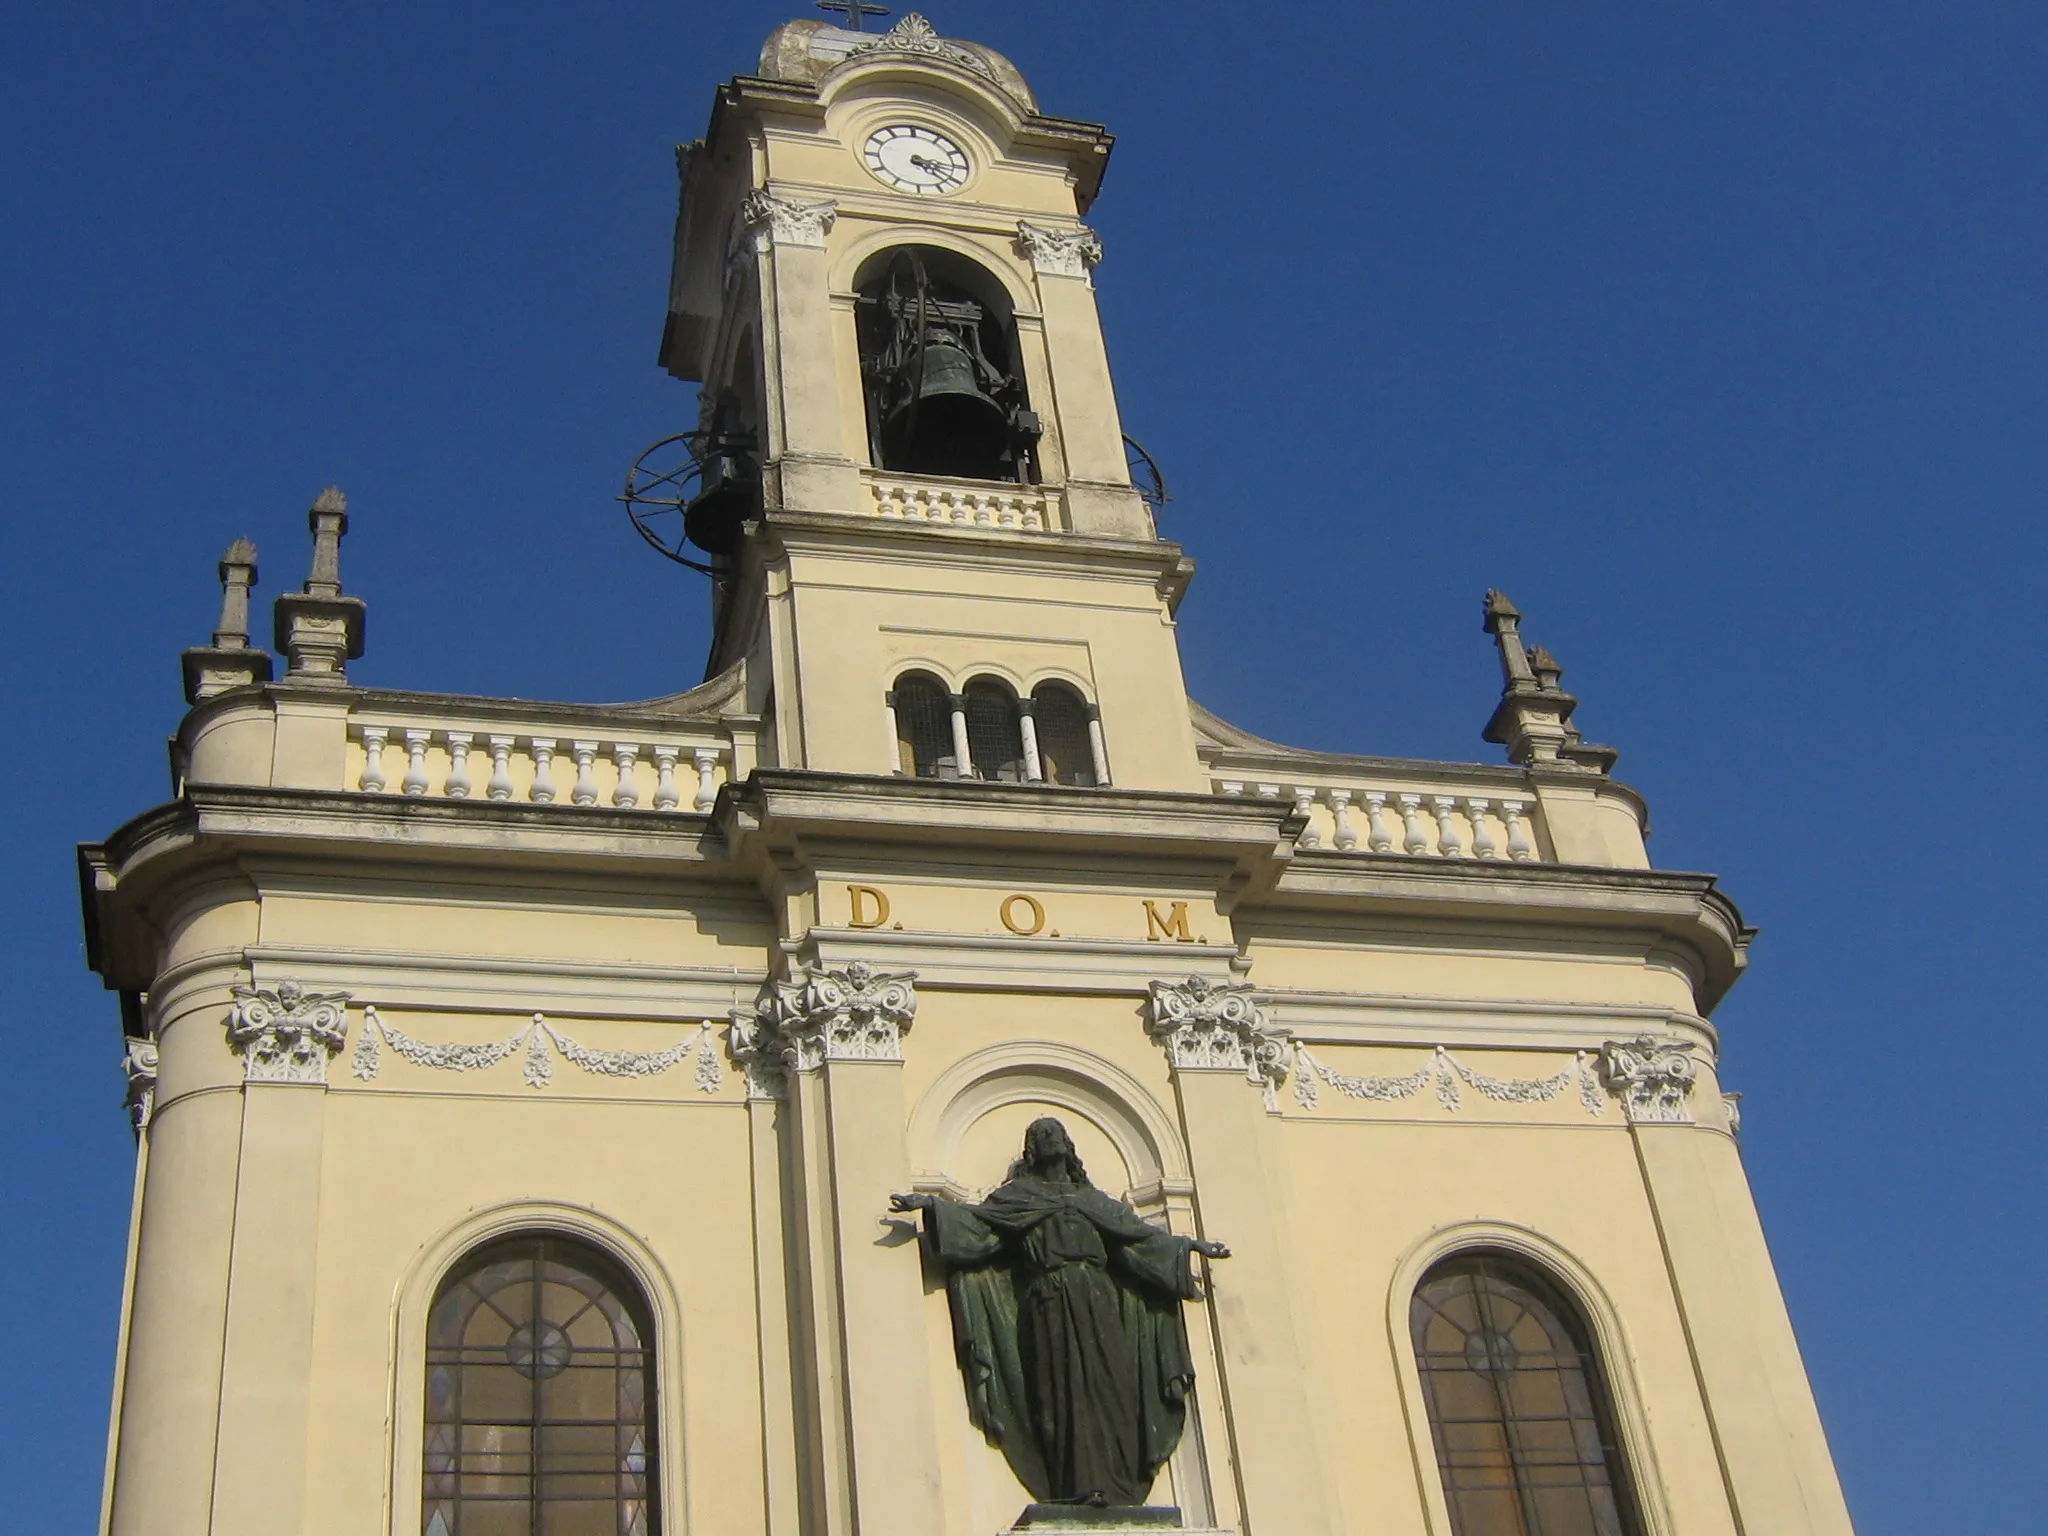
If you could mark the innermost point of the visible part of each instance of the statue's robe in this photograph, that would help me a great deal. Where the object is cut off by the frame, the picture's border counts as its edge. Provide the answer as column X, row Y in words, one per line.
column 1067, row 1319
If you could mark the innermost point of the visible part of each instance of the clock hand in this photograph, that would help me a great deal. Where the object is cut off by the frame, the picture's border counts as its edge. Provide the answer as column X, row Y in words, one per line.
column 937, row 168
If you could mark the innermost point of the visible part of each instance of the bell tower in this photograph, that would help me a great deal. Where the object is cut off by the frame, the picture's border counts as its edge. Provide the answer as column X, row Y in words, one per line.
column 882, row 287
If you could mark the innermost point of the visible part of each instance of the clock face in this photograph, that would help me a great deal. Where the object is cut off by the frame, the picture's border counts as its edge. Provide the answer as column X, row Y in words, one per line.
column 915, row 160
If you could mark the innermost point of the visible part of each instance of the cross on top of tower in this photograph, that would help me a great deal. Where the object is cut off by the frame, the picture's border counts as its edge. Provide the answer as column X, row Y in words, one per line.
column 853, row 10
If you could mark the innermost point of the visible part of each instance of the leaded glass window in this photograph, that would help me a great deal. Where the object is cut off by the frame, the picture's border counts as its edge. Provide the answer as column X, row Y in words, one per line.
column 540, row 1387
column 1062, row 721
column 924, row 726
column 995, row 738
column 1518, row 1410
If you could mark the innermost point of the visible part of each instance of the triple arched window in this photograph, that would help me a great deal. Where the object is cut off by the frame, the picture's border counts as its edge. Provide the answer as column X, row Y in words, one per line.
column 540, row 1397
column 986, row 731
column 1518, row 1407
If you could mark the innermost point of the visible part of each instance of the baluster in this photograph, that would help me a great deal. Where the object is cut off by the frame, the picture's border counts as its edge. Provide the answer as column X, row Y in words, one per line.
column 624, row 755
column 1230, row 786
column 542, row 790
column 585, row 790
column 1483, row 845
column 666, row 797
column 1305, row 803
column 457, row 785
column 1379, row 837
column 415, row 780
column 1447, row 843
column 984, row 510
column 500, row 786
column 1269, row 791
column 1416, row 840
column 1519, row 846
column 1346, row 835
column 372, row 781
column 706, row 759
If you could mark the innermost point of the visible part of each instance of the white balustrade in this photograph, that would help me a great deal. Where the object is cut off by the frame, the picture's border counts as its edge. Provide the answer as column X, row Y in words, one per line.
column 1519, row 845
column 1444, row 807
column 1483, row 845
column 512, row 754
column 1432, row 823
column 960, row 506
column 1305, row 803
column 1382, row 837
column 1345, row 835
column 1414, row 840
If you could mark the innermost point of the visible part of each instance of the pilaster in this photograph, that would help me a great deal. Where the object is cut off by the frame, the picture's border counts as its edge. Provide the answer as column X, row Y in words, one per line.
column 285, row 1038
column 833, row 1036
column 808, row 468
column 1226, row 1057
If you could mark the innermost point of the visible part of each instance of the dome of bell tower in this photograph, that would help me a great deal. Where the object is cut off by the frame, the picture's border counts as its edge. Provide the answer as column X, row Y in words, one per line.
column 806, row 51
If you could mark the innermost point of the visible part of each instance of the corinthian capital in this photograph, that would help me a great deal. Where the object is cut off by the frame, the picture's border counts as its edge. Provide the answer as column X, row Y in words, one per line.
column 1209, row 1026
column 1653, row 1078
column 829, row 1014
column 767, row 220
column 289, row 1035
column 1061, row 252
column 138, row 1064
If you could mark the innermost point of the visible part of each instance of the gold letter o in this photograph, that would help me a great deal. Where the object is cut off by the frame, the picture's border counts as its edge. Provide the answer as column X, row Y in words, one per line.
column 1022, row 930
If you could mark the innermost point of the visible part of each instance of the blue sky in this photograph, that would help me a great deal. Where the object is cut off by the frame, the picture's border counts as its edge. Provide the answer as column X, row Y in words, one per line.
column 1713, row 334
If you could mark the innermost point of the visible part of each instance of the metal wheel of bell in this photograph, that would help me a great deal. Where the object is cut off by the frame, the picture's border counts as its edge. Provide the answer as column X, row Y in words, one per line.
column 660, row 485
column 1145, row 474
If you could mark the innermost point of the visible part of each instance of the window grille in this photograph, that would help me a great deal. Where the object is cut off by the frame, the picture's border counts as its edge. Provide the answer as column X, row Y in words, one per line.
column 1518, row 1411
column 1061, row 720
column 539, row 1397
column 924, row 727
column 995, row 739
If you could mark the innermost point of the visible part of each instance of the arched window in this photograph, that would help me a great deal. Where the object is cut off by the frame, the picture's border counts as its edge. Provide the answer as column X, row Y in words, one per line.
column 995, row 736
column 1061, row 718
column 540, row 1397
column 1518, row 1409
column 924, row 726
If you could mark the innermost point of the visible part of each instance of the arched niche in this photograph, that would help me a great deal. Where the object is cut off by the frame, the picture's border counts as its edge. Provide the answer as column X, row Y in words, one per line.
column 969, row 1124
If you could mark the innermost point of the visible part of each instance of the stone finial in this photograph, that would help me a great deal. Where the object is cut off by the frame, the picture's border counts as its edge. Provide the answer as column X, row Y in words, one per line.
column 1533, row 718
column 318, row 629
column 229, row 662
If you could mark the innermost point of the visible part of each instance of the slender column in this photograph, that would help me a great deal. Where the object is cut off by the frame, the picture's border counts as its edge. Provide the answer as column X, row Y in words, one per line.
column 625, row 755
column 1483, row 845
column 892, row 735
column 457, row 786
column 1444, row 807
column 585, row 790
column 542, row 790
column 963, row 756
column 1027, row 728
column 666, row 796
column 500, row 786
column 1379, row 838
column 1416, row 840
column 415, row 781
column 706, row 761
column 1096, row 751
column 373, row 781
column 1340, row 812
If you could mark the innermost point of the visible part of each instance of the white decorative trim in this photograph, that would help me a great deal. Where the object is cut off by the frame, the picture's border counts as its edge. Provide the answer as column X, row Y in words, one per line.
column 1447, row 1072
column 536, row 1037
column 1731, row 1107
column 914, row 35
column 287, row 1035
column 850, row 1013
column 767, row 221
column 1059, row 252
column 1211, row 1026
column 1653, row 1078
column 138, row 1064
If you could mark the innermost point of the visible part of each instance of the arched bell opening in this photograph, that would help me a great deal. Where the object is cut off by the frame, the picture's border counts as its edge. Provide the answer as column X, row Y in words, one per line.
column 940, row 370
column 995, row 731
column 1065, row 754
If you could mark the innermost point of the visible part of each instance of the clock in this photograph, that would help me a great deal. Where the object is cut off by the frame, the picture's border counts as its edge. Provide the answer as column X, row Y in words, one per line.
column 920, row 161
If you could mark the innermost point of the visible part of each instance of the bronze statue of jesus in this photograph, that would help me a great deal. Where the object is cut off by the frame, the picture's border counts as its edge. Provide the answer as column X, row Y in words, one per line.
column 1066, row 1316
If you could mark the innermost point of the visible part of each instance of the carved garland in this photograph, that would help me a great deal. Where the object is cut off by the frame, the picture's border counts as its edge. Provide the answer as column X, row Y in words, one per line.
column 536, row 1038
column 1653, row 1079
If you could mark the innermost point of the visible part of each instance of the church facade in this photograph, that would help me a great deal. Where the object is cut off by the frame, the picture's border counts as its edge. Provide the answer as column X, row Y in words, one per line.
column 564, row 1118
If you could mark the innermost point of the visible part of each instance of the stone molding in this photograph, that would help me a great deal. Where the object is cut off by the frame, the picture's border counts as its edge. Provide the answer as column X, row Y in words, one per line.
column 1210, row 1026
column 138, row 1064
column 915, row 35
column 767, row 221
column 1059, row 252
column 287, row 1035
column 1653, row 1078
column 827, row 1013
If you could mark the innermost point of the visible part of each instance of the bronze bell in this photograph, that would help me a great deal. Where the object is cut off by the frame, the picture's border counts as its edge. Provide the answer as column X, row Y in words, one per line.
column 945, row 424
column 729, row 496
